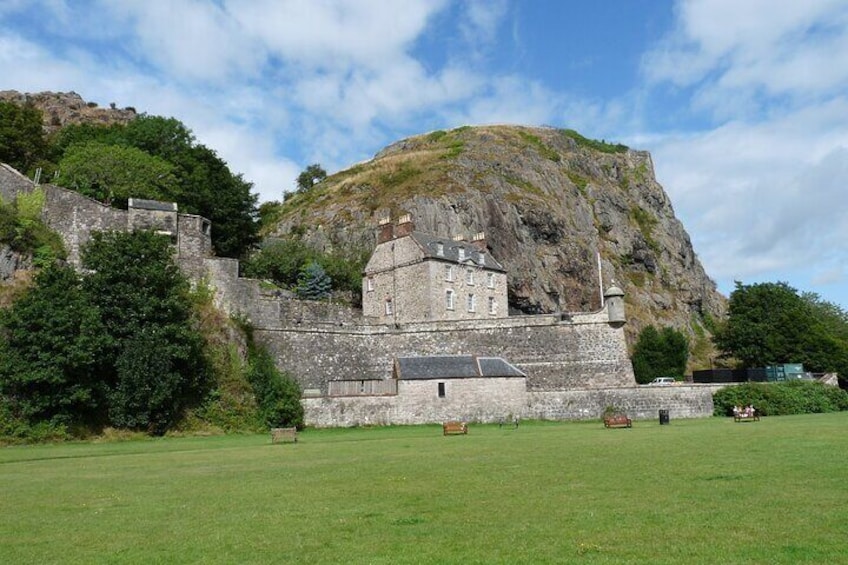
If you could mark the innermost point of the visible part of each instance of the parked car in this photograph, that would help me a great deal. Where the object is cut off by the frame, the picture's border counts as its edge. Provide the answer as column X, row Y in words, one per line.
column 662, row 381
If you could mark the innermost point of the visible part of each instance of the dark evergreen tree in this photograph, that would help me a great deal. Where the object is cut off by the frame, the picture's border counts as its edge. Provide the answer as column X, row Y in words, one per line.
column 313, row 282
column 660, row 354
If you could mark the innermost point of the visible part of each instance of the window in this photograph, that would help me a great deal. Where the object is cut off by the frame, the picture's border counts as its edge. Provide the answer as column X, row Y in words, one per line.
column 449, row 272
column 449, row 299
column 490, row 280
column 389, row 308
column 440, row 249
column 441, row 390
column 369, row 284
column 461, row 252
column 469, row 277
column 471, row 303
column 492, row 305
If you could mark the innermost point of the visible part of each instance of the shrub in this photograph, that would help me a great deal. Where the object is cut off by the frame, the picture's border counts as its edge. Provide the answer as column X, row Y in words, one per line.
column 780, row 399
column 277, row 394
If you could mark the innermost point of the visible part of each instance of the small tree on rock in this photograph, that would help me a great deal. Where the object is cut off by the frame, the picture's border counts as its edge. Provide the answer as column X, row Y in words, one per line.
column 312, row 175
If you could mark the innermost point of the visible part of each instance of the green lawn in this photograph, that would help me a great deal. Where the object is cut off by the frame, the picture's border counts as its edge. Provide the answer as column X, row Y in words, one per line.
column 696, row 491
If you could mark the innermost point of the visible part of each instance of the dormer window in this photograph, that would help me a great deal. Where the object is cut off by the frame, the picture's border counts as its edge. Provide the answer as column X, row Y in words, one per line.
column 481, row 258
column 440, row 249
column 461, row 252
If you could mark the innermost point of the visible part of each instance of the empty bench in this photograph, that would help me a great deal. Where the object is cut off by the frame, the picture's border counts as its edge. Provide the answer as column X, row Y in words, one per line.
column 450, row 428
column 617, row 421
column 283, row 435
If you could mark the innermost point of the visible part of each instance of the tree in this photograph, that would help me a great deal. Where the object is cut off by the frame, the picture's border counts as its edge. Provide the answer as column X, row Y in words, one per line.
column 22, row 141
column 313, row 282
column 114, row 173
column 770, row 323
column 156, row 366
column 660, row 354
column 51, row 341
column 312, row 175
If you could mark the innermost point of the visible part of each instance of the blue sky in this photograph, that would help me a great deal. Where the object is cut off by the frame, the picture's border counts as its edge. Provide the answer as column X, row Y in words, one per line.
column 743, row 104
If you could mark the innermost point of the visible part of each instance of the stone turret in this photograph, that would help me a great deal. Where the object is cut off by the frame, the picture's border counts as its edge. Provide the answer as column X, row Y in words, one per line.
column 614, row 300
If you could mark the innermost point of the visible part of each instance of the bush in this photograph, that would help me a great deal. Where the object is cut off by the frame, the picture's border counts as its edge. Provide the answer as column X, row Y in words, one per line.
column 781, row 399
column 277, row 394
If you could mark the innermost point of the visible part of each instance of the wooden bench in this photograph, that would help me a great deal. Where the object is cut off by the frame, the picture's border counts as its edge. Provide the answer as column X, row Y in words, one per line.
column 454, row 428
column 283, row 435
column 617, row 421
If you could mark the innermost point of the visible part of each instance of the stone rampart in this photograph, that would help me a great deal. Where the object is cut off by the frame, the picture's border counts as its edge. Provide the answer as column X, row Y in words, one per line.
column 555, row 354
column 640, row 403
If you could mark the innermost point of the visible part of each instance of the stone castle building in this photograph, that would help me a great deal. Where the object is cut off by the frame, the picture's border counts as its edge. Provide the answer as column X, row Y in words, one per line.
column 433, row 341
column 416, row 277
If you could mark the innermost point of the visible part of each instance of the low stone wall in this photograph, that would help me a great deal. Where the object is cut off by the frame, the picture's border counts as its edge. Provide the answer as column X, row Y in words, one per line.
column 417, row 404
column 639, row 402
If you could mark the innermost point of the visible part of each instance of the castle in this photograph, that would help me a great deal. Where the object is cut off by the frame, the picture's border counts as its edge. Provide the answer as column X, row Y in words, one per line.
column 432, row 342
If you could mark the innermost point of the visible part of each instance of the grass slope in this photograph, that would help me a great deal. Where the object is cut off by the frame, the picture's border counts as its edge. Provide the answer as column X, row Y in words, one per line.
column 697, row 491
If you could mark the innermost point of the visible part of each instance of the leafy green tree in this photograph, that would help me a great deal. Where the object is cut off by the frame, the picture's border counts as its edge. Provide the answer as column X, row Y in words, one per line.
column 156, row 364
column 22, row 141
column 51, row 341
column 115, row 173
column 769, row 323
column 313, row 282
column 660, row 354
column 312, row 175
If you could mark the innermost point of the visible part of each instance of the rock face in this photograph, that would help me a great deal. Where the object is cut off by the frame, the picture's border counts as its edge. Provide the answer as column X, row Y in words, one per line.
column 64, row 108
column 550, row 203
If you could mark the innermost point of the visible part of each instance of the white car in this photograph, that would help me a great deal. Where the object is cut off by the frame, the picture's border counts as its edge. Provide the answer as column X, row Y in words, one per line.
column 662, row 381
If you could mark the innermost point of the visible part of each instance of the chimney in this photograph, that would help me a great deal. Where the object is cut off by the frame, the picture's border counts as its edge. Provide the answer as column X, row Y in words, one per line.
column 459, row 238
column 385, row 230
column 479, row 241
column 404, row 226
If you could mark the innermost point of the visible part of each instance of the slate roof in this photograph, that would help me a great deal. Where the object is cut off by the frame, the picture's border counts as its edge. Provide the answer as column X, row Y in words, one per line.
column 429, row 244
column 454, row 367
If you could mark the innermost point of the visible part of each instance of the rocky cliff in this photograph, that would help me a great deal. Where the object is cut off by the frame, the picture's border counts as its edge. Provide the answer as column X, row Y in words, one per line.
column 549, row 202
column 65, row 108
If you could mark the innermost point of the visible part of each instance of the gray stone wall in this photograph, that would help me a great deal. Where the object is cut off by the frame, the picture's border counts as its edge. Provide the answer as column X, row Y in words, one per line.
column 419, row 403
column 639, row 403
column 11, row 183
column 75, row 217
column 555, row 354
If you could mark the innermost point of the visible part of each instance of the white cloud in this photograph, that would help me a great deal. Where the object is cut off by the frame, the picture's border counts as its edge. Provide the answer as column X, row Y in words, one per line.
column 753, row 49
